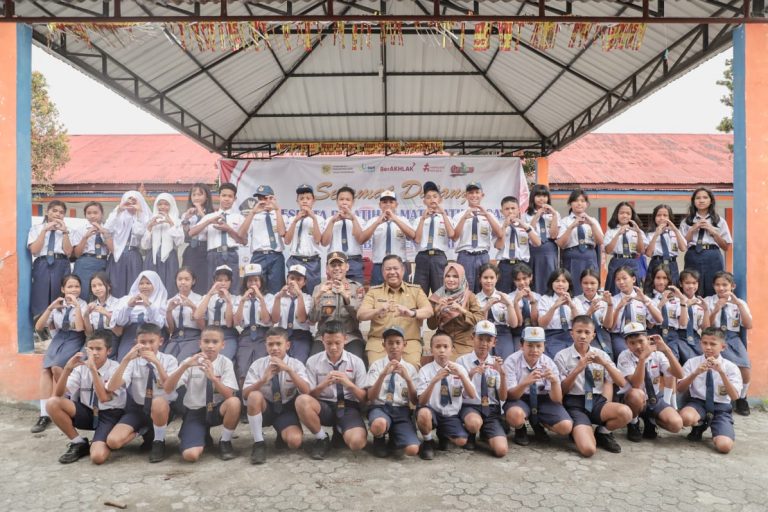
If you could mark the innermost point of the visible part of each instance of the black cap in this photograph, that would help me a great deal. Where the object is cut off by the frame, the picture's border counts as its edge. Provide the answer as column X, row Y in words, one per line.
column 304, row 188
column 430, row 185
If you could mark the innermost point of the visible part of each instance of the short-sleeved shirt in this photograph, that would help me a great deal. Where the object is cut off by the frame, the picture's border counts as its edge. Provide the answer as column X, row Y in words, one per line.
column 698, row 317
column 584, row 303
column 632, row 238
column 77, row 236
column 732, row 314
column 214, row 236
column 573, row 239
column 285, row 307
column 196, row 382
column 548, row 219
column 327, row 306
column 302, row 243
column 545, row 304
column 498, row 312
column 400, row 396
column 58, row 247
column 248, row 304
column 109, row 305
column 673, row 307
column 123, row 314
column 288, row 389
column 137, row 373
column 187, row 312
column 210, row 312
column 455, row 389
column 353, row 246
column 398, row 240
column 671, row 239
column 259, row 234
column 517, row 370
column 407, row 295
column 657, row 365
column 319, row 366
column 698, row 388
column 522, row 250
column 440, row 234
column 464, row 243
column 722, row 226
column 80, row 386
column 492, row 378
column 58, row 314
column 637, row 309
column 567, row 359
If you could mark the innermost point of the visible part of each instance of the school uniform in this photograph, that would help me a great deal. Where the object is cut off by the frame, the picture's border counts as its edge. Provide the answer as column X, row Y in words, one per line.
column 558, row 330
column 445, row 401
column 580, row 252
column 689, row 335
column 387, row 238
column 184, row 341
column 585, row 401
column 49, row 266
column 709, row 397
column 516, row 250
column 222, row 247
column 343, row 240
column 704, row 255
column 267, row 248
column 215, row 314
column 665, row 252
column 280, row 394
column 250, row 345
column 505, row 343
column 66, row 341
column 298, row 332
column 430, row 258
column 545, row 258
column 624, row 254
column 728, row 320
column 100, row 321
column 195, row 256
column 525, row 307
column 602, row 336
column 94, row 258
column 304, row 251
column 127, row 229
column 202, row 403
column 634, row 311
column 339, row 408
column 535, row 400
column 131, row 317
column 90, row 413
column 670, row 324
column 473, row 246
column 487, row 403
column 656, row 366
column 140, row 379
column 392, row 403
column 160, row 245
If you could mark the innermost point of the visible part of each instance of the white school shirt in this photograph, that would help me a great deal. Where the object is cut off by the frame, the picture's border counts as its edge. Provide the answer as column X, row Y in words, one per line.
column 492, row 379
column 187, row 312
column 517, row 370
column 440, row 235
column 57, row 315
column 213, row 235
column 464, row 243
column 269, row 301
column 123, row 314
column 80, row 386
column 136, row 375
column 567, row 359
column 673, row 307
column 639, row 311
column 522, row 246
column 176, row 232
column 58, row 247
column 698, row 317
column 584, row 303
column 619, row 249
column 656, row 366
column 307, row 248
column 400, row 396
column 671, row 239
column 288, row 390
column 259, row 236
column 194, row 219
column 76, row 236
column 455, row 388
column 353, row 247
column 137, row 229
column 109, row 305
column 285, row 306
column 195, row 380
column 379, row 240
column 547, row 301
column 698, row 388
column 548, row 220
column 732, row 314
column 498, row 312
column 722, row 226
column 573, row 239
column 210, row 313
column 319, row 366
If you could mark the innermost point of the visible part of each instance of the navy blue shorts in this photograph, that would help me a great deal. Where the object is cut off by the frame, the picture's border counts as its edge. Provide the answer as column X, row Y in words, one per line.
column 351, row 418
column 492, row 425
column 447, row 426
column 574, row 404
column 83, row 420
column 195, row 427
column 652, row 410
column 722, row 420
column 550, row 413
column 402, row 431
column 286, row 418
column 135, row 417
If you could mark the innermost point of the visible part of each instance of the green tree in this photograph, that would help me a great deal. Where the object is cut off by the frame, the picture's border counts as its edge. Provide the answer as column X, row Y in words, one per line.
column 726, row 123
column 50, row 144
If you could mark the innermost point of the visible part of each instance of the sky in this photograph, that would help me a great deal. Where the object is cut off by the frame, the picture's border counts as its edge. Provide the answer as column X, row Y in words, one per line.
column 82, row 101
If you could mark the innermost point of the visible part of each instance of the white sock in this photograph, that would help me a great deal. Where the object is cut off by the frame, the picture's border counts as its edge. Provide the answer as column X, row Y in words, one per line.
column 427, row 437
column 77, row 440
column 226, row 434
column 255, row 423
column 634, row 420
column 321, row 434
column 159, row 432
column 43, row 402
column 603, row 430
column 744, row 391
column 668, row 396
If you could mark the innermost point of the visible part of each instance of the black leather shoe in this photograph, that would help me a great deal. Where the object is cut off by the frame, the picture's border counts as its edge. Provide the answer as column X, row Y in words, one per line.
column 607, row 442
column 540, row 434
column 320, row 448
column 225, row 450
column 259, row 453
column 75, row 451
column 158, row 451
column 380, row 447
column 521, row 436
column 741, row 407
column 471, row 444
column 696, row 432
column 43, row 422
column 633, row 432
column 427, row 450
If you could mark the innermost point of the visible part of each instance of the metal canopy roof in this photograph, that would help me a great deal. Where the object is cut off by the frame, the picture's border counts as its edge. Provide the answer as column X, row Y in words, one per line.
column 494, row 102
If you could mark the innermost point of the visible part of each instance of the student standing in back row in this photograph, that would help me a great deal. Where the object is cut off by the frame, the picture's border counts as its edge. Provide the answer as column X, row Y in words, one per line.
column 580, row 237
column 195, row 256
column 624, row 241
column 91, row 245
column 126, row 224
column 343, row 232
column 50, row 247
column 388, row 233
column 433, row 230
column 303, row 236
column 545, row 258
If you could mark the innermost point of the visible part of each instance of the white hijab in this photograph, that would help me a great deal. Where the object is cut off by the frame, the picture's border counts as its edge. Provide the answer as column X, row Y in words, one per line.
column 120, row 223
column 159, row 293
column 163, row 232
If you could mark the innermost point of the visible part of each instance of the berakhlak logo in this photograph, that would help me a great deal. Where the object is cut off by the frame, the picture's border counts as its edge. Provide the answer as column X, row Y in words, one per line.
column 461, row 170
column 368, row 168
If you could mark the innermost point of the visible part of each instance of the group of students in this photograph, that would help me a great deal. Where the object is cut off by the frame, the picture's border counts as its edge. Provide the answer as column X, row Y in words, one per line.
column 504, row 322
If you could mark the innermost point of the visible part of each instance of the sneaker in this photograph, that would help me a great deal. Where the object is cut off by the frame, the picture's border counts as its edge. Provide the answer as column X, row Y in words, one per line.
column 521, row 436
column 225, row 450
column 442, row 443
column 75, row 451
column 633, row 432
column 607, row 442
column 427, row 450
column 471, row 444
column 380, row 447
column 42, row 423
column 158, row 451
column 337, row 441
column 540, row 434
column 696, row 432
column 320, row 448
column 741, row 407
column 259, row 453
column 649, row 430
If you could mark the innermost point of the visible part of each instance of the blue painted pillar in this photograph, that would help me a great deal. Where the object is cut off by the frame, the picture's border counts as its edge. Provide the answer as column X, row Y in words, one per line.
column 739, row 164
column 23, row 180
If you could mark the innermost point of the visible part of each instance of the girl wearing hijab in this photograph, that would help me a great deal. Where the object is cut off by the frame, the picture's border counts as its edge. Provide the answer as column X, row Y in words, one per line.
column 126, row 224
column 456, row 309
column 161, row 239
column 146, row 302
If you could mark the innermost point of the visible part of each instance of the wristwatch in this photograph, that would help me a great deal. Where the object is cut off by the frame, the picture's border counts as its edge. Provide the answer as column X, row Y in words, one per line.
column 415, row 314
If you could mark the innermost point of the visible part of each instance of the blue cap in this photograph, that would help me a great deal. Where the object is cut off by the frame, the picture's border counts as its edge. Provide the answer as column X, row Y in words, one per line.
column 393, row 330
column 473, row 185
column 264, row 190
column 304, row 188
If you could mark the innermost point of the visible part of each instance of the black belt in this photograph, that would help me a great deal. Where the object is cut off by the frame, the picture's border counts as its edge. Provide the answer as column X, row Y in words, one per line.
column 131, row 248
column 356, row 257
column 306, row 259
column 511, row 262
column 432, row 252
column 477, row 253
column 97, row 256
column 707, row 247
column 624, row 256
column 195, row 243
column 223, row 248
column 663, row 259
column 58, row 256
column 266, row 251
column 576, row 247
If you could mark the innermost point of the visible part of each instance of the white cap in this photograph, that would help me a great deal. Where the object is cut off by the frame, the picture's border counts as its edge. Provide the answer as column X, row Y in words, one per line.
column 633, row 328
column 252, row 269
column 387, row 193
column 225, row 268
column 534, row 335
column 485, row 327
column 299, row 269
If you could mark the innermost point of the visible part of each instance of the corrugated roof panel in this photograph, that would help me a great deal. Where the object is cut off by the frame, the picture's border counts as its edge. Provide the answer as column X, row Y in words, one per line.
column 557, row 103
column 248, row 76
column 322, row 95
column 443, row 94
column 458, row 128
column 522, row 75
column 312, row 129
column 330, row 58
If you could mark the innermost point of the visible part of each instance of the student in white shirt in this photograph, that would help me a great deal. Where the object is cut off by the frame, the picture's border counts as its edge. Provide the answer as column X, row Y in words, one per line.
column 624, row 241
column 162, row 239
column 664, row 241
column 50, row 247
column 183, row 328
column 146, row 302
column 388, row 234
column 433, row 230
column 514, row 246
column 344, row 232
column 579, row 238
column 303, row 237
column 91, row 245
column 126, row 225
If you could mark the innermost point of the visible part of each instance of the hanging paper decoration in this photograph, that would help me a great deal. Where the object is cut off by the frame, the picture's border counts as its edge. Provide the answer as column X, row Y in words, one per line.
column 580, row 35
column 544, row 35
column 624, row 36
column 367, row 148
column 482, row 38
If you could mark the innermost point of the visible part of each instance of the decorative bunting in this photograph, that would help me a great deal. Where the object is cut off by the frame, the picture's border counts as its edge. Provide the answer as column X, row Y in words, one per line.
column 366, row 148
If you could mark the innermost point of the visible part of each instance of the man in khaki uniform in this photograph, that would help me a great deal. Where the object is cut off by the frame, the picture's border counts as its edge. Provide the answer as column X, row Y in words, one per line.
column 394, row 303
